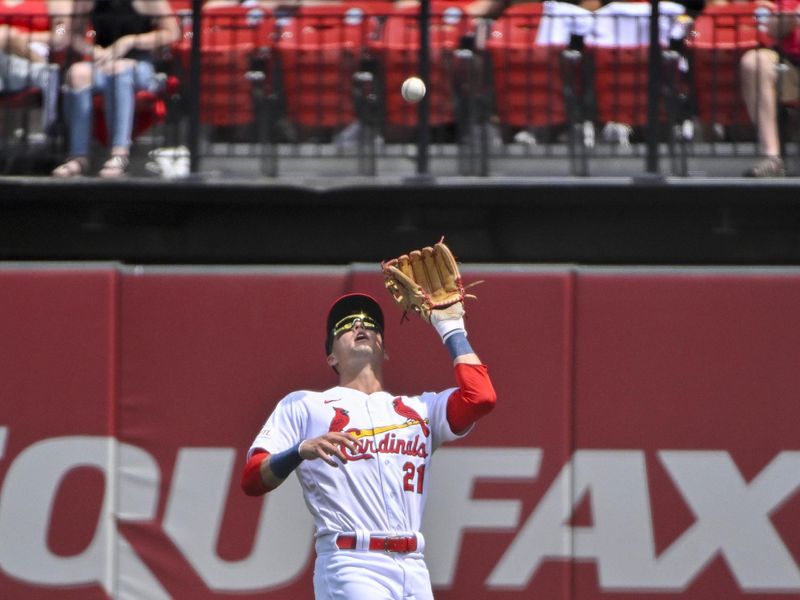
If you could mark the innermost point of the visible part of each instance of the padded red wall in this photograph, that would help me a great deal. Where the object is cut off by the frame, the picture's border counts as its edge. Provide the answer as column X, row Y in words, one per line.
column 646, row 425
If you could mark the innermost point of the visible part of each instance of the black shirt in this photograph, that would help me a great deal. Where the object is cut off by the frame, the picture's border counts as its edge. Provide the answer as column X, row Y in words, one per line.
column 113, row 19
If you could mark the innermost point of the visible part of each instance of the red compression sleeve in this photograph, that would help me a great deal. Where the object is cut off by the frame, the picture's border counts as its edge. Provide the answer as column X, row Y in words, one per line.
column 474, row 398
column 252, row 482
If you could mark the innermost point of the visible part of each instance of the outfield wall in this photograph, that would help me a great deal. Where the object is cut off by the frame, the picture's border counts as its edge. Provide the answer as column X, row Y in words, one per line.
column 645, row 442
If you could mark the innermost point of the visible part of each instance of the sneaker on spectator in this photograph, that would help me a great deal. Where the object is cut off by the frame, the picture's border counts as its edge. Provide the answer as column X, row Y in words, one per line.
column 495, row 137
column 525, row 137
column 348, row 138
column 769, row 166
column 619, row 133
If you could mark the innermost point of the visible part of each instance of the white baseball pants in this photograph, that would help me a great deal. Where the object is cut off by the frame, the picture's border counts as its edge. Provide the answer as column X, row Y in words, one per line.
column 365, row 575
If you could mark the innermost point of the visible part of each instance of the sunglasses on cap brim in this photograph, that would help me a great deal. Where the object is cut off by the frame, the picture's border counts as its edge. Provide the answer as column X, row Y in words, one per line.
column 348, row 322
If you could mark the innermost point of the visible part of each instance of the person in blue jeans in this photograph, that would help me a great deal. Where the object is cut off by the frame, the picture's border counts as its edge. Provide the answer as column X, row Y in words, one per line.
column 122, row 37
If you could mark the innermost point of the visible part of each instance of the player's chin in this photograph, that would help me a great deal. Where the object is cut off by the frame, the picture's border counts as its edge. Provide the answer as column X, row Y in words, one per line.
column 363, row 346
column 365, row 350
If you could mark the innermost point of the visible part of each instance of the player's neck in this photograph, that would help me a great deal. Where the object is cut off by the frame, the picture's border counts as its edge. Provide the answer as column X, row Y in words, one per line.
column 367, row 380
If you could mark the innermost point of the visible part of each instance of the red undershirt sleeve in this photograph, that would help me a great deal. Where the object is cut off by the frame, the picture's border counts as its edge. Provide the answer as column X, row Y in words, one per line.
column 252, row 482
column 474, row 398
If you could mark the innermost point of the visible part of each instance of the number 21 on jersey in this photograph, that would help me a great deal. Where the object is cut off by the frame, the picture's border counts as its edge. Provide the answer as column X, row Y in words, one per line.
column 414, row 477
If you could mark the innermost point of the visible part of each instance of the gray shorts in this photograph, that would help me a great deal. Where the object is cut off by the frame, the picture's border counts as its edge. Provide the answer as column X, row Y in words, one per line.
column 790, row 82
column 17, row 74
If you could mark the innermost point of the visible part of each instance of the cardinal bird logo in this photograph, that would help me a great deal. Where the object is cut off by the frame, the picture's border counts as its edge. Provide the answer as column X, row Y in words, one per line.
column 410, row 414
column 340, row 420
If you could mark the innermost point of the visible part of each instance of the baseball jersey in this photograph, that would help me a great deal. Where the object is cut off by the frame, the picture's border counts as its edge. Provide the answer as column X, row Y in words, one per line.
column 383, row 486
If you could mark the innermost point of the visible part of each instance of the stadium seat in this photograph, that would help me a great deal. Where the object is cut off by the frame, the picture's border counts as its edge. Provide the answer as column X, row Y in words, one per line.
column 397, row 53
column 181, row 5
column 540, row 85
column 30, row 15
column 719, row 38
column 232, row 38
column 527, row 82
column 620, row 47
column 318, row 50
column 606, row 80
column 621, row 80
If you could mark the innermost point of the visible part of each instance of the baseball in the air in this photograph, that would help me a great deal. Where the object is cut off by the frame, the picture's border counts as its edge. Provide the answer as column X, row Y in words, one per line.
column 413, row 89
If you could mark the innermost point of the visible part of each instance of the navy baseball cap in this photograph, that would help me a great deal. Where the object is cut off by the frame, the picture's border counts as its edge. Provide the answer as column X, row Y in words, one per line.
column 347, row 305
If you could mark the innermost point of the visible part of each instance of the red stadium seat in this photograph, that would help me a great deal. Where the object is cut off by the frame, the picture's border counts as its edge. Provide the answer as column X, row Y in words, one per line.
column 527, row 78
column 181, row 5
column 30, row 15
column 152, row 108
column 619, row 47
column 397, row 51
column 318, row 50
column 621, row 77
column 231, row 38
column 621, row 81
column 720, row 36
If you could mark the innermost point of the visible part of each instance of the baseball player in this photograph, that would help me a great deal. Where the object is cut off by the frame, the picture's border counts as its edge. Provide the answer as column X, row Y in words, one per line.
column 362, row 455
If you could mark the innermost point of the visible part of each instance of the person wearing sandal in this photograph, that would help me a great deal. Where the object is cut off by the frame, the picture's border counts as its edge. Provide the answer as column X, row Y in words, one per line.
column 120, row 64
column 769, row 77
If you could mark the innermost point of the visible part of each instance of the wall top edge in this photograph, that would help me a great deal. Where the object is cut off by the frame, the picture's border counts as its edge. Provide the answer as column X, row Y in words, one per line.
column 367, row 267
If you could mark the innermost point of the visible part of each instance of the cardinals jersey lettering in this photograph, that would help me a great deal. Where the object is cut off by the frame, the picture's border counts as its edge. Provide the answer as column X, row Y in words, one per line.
column 383, row 486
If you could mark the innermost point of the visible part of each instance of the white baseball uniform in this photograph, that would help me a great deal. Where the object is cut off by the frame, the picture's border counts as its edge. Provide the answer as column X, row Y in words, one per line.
column 380, row 491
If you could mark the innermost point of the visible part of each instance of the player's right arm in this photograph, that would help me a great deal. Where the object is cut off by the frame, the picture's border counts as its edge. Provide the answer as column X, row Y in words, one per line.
column 264, row 471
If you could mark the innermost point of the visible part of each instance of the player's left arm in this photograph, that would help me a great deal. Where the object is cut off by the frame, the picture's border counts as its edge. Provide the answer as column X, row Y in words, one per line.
column 475, row 396
column 428, row 282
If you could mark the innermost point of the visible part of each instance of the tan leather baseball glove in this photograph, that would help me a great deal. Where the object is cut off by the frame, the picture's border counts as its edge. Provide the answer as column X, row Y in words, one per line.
column 426, row 280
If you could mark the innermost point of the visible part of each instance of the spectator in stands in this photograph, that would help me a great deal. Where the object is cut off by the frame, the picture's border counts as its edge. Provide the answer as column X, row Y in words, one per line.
column 32, row 36
column 626, row 24
column 229, row 3
column 766, row 80
column 272, row 5
column 25, row 47
column 119, row 62
column 476, row 8
column 23, row 58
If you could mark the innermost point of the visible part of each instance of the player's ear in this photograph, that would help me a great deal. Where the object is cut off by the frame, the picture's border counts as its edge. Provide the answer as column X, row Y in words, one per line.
column 332, row 362
column 383, row 348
